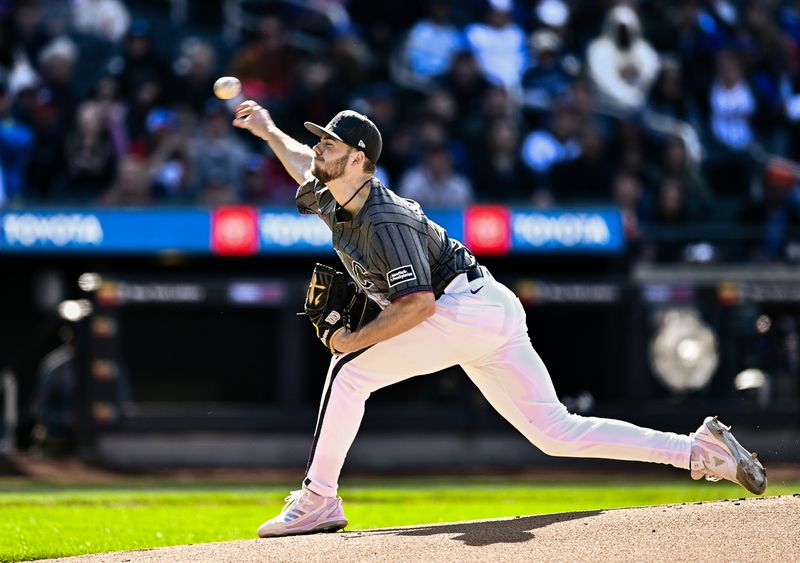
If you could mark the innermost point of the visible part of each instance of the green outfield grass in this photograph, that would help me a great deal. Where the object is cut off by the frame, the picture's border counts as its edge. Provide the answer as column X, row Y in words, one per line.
column 39, row 520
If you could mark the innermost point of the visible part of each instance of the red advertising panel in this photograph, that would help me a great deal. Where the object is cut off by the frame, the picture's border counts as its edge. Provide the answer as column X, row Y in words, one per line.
column 234, row 231
column 487, row 229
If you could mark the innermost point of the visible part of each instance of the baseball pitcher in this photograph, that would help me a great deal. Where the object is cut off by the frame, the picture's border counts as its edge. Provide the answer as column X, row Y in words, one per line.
column 436, row 307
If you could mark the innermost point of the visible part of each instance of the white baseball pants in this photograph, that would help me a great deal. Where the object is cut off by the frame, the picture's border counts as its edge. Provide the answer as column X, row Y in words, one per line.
column 486, row 334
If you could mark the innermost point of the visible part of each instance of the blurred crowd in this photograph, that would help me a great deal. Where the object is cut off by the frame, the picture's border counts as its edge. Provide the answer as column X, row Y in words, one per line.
column 678, row 112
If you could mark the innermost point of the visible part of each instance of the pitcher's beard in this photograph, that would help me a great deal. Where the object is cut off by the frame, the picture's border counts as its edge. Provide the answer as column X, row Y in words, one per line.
column 336, row 170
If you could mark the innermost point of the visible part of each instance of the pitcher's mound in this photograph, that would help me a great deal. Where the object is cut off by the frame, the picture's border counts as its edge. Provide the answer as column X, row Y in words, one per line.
column 752, row 529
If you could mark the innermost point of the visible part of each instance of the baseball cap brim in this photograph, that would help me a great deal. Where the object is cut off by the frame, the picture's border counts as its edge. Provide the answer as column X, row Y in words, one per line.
column 320, row 131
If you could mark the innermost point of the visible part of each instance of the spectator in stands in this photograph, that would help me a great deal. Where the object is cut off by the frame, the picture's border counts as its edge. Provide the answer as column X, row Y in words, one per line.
column 196, row 68
column 497, row 104
column 89, row 154
column 582, row 99
column 632, row 146
column 767, row 61
column 21, row 75
column 543, row 148
column 46, row 168
column 671, row 203
column 587, row 178
column 147, row 98
column 697, row 38
column 627, row 195
column 106, row 19
column 549, row 77
column 265, row 181
column 500, row 174
column 733, row 107
column 266, row 63
column 106, row 94
column 466, row 83
column 382, row 23
column 26, row 29
column 434, row 183
column 131, row 187
column 56, row 64
column 351, row 61
column 400, row 150
column 159, row 122
column 218, row 157
column 431, row 43
column 499, row 45
column 16, row 146
column 431, row 131
column 140, row 69
column 255, row 188
column 440, row 106
column 622, row 64
column 668, row 96
column 675, row 165
column 169, row 158
column 23, row 103
column 383, row 105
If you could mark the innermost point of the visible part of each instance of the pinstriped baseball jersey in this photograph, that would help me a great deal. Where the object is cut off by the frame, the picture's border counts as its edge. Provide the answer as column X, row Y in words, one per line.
column 390, row 248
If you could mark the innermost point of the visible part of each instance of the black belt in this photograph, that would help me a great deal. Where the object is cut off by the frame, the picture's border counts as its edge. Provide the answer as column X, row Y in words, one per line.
column 474, row 272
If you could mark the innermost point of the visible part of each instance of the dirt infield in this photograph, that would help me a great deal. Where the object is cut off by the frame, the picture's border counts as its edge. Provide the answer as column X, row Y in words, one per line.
column 752, row 529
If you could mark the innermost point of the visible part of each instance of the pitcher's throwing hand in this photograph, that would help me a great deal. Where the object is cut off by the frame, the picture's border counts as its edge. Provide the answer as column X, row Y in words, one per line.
column 254, row 118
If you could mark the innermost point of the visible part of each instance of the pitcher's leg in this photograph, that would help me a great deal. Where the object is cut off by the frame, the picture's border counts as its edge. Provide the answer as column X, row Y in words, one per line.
column 353, row 377
column 436, row 343
column 340, row 413
column 515, row 381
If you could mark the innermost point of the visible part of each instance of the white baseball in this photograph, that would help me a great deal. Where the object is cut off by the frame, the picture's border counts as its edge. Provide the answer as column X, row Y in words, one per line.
column 227, row 87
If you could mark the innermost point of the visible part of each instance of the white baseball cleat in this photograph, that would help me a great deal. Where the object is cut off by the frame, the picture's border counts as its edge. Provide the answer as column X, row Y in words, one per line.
column 717, row 455
column 305, row 512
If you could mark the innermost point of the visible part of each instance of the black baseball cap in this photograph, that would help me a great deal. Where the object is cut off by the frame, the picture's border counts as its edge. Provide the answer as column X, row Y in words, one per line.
column 354, row 129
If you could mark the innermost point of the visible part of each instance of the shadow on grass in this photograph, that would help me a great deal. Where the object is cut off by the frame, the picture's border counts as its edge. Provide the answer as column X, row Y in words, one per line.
column 479, row 534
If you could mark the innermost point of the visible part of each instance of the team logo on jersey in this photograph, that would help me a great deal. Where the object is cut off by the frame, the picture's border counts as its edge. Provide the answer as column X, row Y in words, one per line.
column 401, row 275
column 360, row 273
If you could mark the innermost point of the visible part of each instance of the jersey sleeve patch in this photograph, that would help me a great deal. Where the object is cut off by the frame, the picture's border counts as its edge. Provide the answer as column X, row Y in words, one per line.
column 401, row 275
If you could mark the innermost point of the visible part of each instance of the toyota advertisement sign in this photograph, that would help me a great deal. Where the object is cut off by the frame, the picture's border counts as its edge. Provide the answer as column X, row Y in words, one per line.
column 245, row 230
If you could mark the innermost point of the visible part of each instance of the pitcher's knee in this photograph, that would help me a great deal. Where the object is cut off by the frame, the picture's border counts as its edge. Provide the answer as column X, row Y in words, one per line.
column 552, row 445
column 555, row 430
